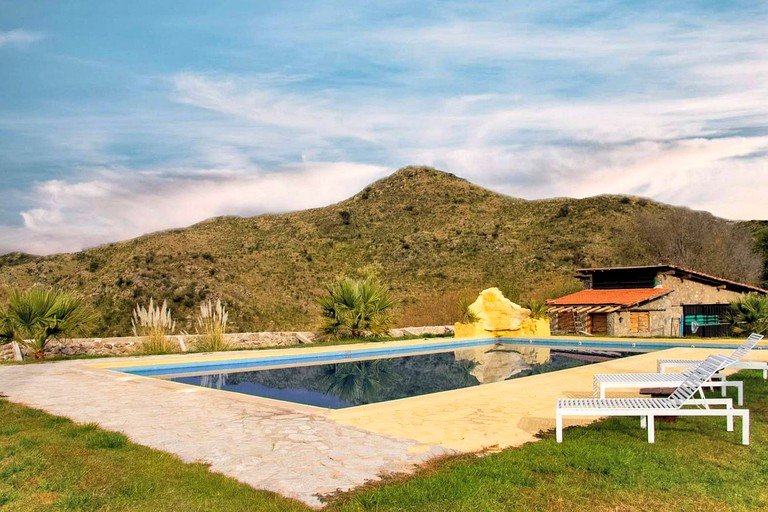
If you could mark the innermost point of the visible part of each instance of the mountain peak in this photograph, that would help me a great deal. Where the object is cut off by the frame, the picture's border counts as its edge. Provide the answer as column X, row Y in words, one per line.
column 421, row 172
column 414, row 179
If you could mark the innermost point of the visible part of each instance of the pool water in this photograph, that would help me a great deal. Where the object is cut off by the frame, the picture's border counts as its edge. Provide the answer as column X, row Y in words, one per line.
column 353, row 383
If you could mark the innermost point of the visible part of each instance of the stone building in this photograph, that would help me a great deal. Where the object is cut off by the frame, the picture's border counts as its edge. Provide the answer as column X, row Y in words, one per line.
column 657, row 300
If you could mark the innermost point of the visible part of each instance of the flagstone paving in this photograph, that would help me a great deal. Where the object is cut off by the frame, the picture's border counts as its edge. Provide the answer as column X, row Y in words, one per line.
column 295, row 453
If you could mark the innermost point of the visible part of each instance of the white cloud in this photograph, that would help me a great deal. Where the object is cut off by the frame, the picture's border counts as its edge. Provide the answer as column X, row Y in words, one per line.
column 672, row 107
column 718, row 175
column 19, row 37
column 260, row 102
column 115, row 206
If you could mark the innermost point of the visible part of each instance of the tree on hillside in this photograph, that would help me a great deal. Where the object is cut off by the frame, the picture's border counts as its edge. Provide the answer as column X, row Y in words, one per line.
column 699, row 241
column 36, row 316
column 750, row 314
column 761, row 244
column 356, row 308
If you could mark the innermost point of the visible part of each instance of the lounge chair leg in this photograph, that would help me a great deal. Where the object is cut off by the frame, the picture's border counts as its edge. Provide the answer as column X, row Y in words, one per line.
column 651, row 429
column 642, row 421
column 729, row 422
column 740, row 392
column 559, row 428
column 745, row 427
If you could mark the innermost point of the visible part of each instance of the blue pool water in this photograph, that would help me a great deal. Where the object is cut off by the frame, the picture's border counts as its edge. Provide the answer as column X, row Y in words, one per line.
column 348, row 384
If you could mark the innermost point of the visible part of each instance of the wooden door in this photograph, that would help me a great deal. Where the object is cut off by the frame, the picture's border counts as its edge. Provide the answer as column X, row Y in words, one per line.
column 565, row 322
column 599, row 323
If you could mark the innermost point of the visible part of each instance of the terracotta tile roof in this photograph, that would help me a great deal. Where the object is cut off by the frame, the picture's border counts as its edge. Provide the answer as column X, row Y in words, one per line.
column 623, row 297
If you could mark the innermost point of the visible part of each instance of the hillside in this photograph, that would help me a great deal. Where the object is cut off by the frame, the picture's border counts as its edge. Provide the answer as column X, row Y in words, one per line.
column 430, row 236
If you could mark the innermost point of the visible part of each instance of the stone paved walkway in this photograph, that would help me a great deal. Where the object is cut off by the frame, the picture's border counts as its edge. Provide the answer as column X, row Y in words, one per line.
column 297, row 454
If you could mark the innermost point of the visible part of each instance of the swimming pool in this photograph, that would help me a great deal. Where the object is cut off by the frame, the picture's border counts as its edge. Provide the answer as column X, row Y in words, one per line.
column 350, row 375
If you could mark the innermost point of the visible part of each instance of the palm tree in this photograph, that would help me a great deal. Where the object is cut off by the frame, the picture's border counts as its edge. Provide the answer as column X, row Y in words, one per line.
column 35, row 316
column 356, row 307
column 750, row 314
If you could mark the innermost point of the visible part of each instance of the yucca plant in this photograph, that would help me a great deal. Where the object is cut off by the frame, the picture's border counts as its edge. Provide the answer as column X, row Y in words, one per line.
column 36, row 316
column 211, row 325
column 356, row 308
column 153, row 323
column 749, row 314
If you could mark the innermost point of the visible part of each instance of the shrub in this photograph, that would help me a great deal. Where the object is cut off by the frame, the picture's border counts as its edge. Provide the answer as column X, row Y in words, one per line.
column 750, row 314
column 35, row 316
column 356, row 308
column 538, row 308
column 153, row 323
column 467, row 315
column 211, row 325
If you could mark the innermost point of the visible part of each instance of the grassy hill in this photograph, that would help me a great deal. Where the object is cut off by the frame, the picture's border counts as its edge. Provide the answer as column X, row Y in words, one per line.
column 430, row 236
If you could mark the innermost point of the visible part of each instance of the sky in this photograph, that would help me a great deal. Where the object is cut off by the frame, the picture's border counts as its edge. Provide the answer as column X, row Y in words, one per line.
column 121, row 118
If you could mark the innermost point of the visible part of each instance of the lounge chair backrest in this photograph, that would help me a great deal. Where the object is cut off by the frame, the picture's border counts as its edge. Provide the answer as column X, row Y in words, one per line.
column 697, row 376
column 745, row 347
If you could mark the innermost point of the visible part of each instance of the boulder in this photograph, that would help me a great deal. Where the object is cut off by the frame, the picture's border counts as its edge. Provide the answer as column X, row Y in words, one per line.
column 498, row 316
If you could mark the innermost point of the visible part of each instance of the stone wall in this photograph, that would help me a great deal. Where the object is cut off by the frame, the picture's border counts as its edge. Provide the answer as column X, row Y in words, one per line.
column 691, row 292
column 660, row 320
column 183, row 343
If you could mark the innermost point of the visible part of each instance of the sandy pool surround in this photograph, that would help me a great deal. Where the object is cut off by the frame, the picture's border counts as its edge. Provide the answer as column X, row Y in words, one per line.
column 302, row 451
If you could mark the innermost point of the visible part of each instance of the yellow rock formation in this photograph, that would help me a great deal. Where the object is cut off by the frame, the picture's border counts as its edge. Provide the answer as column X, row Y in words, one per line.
column 500, row 317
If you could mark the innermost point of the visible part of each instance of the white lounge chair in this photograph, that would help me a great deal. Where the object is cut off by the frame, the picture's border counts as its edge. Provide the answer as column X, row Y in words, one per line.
column 662, row 365
column 603, row 381
column 648, row 408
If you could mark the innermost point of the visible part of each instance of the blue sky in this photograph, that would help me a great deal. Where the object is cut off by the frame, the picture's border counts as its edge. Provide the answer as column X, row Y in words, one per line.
column 119, row 118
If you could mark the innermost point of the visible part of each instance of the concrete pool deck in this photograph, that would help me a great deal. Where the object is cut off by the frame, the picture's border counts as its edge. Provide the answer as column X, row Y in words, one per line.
column 300, row 451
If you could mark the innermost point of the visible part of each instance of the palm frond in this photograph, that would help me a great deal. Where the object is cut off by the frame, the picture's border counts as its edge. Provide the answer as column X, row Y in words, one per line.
column 35, row 316
column 356, row 307
column 749, row 314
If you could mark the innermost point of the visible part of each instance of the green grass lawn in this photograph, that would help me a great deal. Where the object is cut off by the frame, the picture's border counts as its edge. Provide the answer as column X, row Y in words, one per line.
column 49, row 463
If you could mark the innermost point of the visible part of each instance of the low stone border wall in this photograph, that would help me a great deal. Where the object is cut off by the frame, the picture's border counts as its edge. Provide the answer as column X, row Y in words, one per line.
column 183, row 343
